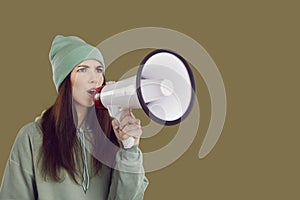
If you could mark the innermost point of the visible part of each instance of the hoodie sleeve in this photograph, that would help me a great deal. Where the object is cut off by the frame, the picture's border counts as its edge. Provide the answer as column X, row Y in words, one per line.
column 128, row 178
column 18, row 180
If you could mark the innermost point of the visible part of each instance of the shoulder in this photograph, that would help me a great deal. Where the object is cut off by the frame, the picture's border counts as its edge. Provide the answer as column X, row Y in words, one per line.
column 28, row 141
column 29, row 132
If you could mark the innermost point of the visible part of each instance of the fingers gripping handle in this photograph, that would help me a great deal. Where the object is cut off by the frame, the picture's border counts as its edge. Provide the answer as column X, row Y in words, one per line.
column 116, row 112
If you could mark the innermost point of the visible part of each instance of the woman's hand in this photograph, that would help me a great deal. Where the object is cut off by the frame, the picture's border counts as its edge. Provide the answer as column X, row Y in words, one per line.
column 128, row 126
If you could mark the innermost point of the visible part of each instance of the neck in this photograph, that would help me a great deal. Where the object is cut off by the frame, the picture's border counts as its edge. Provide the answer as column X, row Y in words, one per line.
column 81, row 114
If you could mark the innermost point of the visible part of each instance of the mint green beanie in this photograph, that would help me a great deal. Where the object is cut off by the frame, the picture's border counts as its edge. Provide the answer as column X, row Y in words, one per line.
column 66, row 53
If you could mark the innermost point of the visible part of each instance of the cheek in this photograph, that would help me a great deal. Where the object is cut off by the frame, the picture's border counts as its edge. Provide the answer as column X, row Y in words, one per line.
column 75, row 92
column 100, row 81
column 75, row 85
column 78, row 88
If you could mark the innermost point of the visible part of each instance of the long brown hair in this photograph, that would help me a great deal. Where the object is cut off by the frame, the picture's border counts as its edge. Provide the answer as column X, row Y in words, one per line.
column 60, row 148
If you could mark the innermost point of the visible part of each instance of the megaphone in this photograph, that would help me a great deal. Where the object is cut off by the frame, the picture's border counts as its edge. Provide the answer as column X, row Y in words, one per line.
column 164, row 88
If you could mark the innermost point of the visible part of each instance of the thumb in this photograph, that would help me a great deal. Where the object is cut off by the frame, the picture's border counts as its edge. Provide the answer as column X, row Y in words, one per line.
column 115, row 125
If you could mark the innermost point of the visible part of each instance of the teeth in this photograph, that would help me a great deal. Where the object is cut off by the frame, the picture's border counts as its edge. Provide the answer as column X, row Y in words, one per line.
column 92, row 91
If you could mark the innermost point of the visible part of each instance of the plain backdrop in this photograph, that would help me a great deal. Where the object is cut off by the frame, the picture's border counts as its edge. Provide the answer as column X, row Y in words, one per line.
column 255, row 45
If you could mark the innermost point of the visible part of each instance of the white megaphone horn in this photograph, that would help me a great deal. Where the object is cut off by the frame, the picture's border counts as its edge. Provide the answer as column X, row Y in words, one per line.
column 164, row 88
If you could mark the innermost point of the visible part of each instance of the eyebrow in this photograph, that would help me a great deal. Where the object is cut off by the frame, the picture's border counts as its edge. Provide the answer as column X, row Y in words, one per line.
column 86, row 66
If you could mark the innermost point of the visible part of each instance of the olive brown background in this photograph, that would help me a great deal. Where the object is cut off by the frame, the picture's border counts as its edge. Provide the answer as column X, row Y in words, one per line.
column 255, row 45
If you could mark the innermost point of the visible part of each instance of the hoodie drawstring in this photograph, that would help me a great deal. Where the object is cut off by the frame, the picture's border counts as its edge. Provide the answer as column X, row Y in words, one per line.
column 86, row 178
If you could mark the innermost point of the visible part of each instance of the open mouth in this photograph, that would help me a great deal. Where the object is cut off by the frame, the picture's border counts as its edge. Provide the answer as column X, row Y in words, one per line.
column 91, row 91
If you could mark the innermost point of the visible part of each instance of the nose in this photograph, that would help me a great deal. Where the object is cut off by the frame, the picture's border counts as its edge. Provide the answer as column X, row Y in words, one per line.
column 97, row 79
column 93, row 78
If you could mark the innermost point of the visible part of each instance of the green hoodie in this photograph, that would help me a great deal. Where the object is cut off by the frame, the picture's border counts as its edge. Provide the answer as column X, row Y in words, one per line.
column 22, row 179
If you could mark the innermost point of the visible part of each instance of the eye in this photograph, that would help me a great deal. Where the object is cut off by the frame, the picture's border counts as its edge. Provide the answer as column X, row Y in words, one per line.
column 81, row 69
column 99, row 69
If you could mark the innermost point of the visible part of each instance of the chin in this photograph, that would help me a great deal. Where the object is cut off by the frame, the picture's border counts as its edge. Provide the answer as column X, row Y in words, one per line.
column 87, row 104
column 90, row 104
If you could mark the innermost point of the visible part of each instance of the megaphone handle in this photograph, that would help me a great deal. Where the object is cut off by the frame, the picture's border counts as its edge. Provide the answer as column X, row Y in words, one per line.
column 116, row 112
column 128, row 143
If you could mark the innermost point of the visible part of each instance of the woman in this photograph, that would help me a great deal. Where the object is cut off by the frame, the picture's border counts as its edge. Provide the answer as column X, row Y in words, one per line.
column 74, row 151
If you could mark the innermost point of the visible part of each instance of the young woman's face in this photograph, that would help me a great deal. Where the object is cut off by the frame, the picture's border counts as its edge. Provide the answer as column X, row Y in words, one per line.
column 85, row 77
